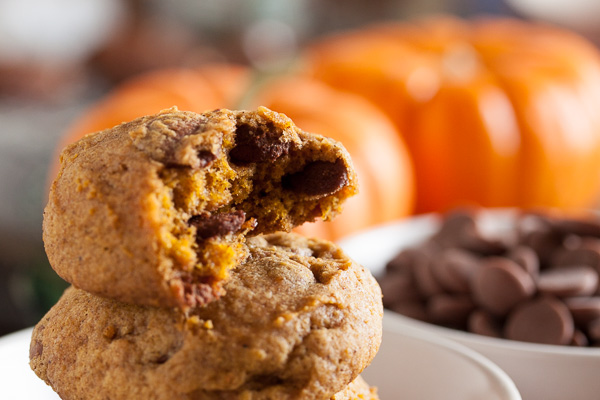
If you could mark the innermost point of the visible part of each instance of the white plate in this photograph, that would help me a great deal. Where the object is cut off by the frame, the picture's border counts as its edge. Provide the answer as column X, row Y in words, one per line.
column 541, row 372
column 18, row 380
column 408, row 366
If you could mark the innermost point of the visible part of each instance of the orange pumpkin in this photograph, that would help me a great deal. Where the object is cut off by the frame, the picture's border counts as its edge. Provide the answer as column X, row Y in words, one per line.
column 494, row 112
column 384, row 168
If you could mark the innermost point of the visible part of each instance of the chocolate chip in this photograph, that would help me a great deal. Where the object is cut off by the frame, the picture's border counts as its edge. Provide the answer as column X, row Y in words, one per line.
column 193, row 291
column 454, row 268
column 450, row 310
column 584, row 226
column 397, row 288
column 543, row 320
column 258, row 144
column 211, row 225
column 205, row 158
column 460, row 229
column 184, row 127
column 583, row 309
column 402, row 263
column 579, row 339
column 318, row 178
column 424, row 279
column 36, row 349
column 500, row 284
column 568, row 281
column 527, row 259
column 484, row 323
column 553, row 270
column 175, row 150
column 162, row 359
column 537, row 233
column 586, row 253
column 412, row 309
column 594, row 329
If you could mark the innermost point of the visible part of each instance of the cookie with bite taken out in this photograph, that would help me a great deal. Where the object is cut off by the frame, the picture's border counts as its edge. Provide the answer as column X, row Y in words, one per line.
column 157, row 211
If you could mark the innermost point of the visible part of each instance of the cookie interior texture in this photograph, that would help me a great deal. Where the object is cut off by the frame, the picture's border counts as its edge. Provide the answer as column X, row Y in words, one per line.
column 156, row 211
column 299, row 320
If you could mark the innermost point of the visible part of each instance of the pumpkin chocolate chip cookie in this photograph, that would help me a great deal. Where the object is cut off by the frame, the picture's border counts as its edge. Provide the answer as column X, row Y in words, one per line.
column 156, row 211
column 299, row 320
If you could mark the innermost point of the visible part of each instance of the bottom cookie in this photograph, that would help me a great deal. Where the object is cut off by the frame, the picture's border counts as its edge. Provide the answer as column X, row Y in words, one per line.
column 357, row 390
column 299, row 321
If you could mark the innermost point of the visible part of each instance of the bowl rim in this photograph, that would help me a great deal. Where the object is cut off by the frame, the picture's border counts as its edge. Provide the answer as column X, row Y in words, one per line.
column 422, row 226
column 494, row 372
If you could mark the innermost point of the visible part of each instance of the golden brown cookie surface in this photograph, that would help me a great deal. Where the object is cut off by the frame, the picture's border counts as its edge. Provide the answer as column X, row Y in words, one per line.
column 156, row 211
column 299, row 320
column 358, row 389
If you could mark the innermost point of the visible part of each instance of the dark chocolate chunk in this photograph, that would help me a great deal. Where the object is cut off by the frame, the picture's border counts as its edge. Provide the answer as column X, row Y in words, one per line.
column 211, row 225
column 318, row 178
column 260, row 144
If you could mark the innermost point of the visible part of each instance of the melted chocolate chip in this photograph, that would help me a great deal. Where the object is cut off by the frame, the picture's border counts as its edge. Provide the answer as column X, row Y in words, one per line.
column 205, row 158
column 261, row 144
column 211, row 225
column 318, row 178
column 194, row 291
column 184, row 127
column 162, row 359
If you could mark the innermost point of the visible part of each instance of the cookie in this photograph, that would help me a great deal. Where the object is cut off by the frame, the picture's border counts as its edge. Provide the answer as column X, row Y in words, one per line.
column 156, row 211
column 299, row 320
column 358, row 389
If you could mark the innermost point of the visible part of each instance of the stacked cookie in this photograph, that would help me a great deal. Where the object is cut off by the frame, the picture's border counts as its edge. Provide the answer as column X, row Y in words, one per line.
column 185, row 286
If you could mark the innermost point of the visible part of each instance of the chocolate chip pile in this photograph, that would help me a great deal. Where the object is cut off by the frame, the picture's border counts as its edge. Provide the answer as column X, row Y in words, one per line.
column 535, row 282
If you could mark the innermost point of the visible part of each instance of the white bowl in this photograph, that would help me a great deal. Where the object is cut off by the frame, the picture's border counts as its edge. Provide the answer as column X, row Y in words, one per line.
column 541, row 372
column 412, row 364
column 409, row 365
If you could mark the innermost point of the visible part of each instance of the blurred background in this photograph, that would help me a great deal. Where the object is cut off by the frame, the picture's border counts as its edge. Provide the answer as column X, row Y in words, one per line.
column 60, row 58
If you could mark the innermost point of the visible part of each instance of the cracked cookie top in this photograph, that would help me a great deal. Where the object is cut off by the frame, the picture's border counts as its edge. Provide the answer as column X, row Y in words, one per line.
column 156, row 211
